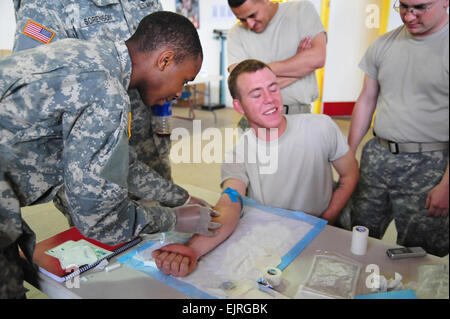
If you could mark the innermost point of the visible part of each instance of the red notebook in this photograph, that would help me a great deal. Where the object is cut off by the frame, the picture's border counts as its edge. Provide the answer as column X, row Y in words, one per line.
column 50, row 265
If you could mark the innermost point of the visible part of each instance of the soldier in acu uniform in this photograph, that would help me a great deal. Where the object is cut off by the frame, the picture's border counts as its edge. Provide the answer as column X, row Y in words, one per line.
column 404, row 169
column 64, row 121
column 100, row 20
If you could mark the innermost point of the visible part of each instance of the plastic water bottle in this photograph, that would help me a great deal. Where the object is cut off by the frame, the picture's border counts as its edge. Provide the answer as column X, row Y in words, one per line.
column 163, row 118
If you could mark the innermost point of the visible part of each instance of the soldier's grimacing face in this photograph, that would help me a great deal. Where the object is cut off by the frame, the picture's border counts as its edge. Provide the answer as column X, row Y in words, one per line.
column 169, row 84
column 260, row 98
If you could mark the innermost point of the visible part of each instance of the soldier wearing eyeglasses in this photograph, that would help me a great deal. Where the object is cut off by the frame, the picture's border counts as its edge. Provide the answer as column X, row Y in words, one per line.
column 404, row 168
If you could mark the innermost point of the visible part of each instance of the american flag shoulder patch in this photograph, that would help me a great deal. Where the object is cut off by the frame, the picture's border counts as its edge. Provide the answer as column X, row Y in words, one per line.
column 38, row 32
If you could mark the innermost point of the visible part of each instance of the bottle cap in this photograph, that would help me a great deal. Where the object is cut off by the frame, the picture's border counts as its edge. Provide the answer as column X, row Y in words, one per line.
column 162, row 110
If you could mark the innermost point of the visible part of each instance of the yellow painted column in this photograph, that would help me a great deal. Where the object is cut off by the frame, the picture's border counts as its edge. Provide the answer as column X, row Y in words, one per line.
column 384, row 19
column 324, row 16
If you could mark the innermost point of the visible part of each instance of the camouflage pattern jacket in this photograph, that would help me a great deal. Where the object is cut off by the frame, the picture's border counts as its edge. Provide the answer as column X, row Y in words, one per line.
column 100, row 20
column 64, row 115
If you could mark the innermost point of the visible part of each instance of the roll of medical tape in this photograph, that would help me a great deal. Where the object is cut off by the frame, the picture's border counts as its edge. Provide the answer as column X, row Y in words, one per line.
column 360, row 237
column 272, row 275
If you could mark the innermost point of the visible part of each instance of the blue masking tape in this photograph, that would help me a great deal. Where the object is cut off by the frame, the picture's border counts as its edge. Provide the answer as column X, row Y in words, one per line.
column 234, row 195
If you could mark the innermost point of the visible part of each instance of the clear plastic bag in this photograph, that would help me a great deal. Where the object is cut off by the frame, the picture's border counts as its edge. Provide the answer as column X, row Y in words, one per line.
column 432, row 282
column 332, row 276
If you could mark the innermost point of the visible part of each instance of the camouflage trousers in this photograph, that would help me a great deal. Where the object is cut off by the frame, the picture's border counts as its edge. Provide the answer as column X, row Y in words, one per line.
column 395, row 186
column 14, row 234
column 295, row 109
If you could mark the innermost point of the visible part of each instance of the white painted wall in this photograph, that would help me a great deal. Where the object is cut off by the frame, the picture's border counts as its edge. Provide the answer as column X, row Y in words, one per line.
column 352, row 29
column 214, row 14
column 348, row 39
column 7, row 25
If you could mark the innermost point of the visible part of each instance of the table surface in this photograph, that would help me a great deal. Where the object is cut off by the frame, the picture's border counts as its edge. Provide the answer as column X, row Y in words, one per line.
column 126, row 282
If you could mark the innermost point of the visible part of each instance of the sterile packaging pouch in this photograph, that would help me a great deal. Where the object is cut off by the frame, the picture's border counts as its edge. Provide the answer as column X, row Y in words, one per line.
column 77, row 253
column 78, row 256
column 332, row 276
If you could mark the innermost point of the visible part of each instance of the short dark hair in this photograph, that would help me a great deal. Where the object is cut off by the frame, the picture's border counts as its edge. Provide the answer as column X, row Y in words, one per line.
column 238, row 3
column 246, row 66
column 168, row 29
column 235, row 3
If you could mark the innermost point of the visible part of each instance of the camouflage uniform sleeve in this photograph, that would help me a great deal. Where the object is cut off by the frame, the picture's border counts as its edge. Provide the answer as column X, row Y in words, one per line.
column 146, row 183
column 45, row 13
column 96, row 166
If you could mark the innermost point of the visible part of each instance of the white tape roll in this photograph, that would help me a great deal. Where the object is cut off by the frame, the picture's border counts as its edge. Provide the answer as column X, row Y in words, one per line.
column 360, row 237
column 272, row 275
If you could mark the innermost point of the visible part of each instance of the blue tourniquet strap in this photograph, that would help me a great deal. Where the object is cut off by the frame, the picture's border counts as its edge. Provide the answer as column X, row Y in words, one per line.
column 234, row 196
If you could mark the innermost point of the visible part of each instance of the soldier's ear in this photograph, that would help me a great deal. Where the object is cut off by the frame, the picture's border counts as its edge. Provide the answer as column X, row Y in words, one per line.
column 165, row 59
column 238, row 106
